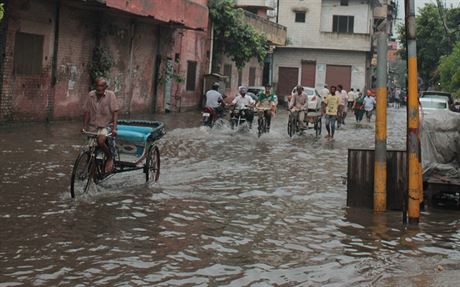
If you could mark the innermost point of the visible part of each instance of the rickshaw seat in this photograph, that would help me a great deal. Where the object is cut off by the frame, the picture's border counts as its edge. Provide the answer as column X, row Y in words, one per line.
column 134, row 134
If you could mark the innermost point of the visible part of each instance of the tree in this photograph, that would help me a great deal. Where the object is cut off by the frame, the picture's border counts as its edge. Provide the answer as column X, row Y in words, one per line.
column 233, row 37
column 434, row 39
column 449, row 70
column 2, row 11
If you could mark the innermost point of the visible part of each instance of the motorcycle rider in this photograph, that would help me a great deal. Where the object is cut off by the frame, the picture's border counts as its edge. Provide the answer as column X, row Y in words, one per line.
column 242, row 102
column 215, row 100
column 266, row 102
column 299, row 104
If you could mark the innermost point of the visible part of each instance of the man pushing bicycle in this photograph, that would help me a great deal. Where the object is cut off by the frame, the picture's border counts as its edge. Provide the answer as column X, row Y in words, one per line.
column 298, row 105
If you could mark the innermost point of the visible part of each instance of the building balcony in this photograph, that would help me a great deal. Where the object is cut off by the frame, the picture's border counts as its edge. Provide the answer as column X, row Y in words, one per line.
column 267, row 4
column 182, row 13
column 276, row 34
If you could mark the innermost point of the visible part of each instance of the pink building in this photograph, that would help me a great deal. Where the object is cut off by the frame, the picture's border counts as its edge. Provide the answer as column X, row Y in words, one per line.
column 48, row 49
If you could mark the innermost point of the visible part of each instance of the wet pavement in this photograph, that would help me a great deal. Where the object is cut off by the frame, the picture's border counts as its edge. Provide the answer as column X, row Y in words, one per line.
column 229, row 210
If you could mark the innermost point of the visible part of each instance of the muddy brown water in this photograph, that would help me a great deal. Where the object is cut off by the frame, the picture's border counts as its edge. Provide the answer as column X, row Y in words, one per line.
column 229, row 210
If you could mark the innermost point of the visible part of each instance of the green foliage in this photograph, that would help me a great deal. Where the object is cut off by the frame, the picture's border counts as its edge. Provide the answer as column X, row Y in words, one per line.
column 449, row 70
column 432, row 40
column 171, row 75
column 2, row 11
column 101, row 63
column 233, row 37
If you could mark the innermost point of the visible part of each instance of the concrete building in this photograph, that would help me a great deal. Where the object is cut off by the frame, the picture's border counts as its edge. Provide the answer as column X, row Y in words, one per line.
column 254, row 73
column 48, row 52
column 329, row 42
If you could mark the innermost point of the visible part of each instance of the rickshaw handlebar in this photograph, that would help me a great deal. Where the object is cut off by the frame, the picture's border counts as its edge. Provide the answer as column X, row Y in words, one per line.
column 91, row 134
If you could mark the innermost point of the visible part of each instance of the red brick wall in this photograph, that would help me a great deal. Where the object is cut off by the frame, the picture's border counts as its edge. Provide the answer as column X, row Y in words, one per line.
column 194, row 48
column 76, row 44
column 132, row 75
column 26, row 97
column 189, row 46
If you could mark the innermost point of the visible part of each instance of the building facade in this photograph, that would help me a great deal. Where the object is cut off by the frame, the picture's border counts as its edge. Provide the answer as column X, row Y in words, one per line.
column 255, row 73
column 329, row 42
column 50, row 48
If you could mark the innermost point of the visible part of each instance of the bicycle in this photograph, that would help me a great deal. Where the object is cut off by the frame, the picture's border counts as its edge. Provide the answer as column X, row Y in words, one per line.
column 293, row 123
column 262, row 122
column 89, row 166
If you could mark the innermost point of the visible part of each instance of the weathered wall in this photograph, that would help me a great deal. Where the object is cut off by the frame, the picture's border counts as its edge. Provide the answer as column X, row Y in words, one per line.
column 232, row 90
column 133, row 44
column 26, row 96
column 75, row 49
column 181, row 46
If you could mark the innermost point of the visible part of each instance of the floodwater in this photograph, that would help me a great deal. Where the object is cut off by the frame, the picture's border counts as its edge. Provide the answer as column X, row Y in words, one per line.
column 230, row 209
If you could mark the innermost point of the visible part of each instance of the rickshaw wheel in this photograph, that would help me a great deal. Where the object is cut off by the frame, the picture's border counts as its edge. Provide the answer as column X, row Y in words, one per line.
column 82, row 173
column 152, row 173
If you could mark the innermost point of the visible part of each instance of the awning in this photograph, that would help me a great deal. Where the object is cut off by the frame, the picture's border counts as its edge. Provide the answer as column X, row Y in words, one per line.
column 186, row 13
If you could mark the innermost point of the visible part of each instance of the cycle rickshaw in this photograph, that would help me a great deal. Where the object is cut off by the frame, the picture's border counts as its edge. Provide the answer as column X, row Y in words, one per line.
column 136, row 145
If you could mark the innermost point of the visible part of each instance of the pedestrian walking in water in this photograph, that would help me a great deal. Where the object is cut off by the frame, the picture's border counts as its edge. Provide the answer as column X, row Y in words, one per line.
column 397, row 101
column 343, row 105
column 332, row 103
column 369, row 105
column 351, row 98
column 358, row 108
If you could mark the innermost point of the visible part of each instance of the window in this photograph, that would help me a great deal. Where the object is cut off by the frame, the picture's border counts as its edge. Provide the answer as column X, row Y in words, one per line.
column 343, row 2
column 191, row 75
column 228, row 75
column 252, row 76
column 343, row 24
column 300, row 16
column 28, row 54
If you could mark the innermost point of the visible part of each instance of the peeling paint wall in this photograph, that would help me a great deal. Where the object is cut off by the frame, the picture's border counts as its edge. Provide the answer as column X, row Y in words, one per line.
column 134, row 43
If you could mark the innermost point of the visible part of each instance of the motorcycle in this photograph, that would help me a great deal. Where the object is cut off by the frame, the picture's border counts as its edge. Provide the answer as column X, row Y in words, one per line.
column 240, row 116
column 212, row 118
column 209, row 117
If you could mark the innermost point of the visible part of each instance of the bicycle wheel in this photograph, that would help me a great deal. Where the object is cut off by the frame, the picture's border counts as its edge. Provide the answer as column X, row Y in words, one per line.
column 290, row 129
column 82, row 174
column 260, row 128
column 152, row 165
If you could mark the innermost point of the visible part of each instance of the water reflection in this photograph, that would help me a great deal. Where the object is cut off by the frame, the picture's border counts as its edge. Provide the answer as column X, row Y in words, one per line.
column 230, row 209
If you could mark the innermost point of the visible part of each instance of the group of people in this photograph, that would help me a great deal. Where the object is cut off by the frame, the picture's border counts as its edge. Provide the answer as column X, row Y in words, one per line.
column 101, row 109
column 265, row 103
column 337, row 101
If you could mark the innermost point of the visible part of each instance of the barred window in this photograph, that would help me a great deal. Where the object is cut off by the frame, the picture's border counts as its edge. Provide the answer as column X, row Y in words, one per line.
column 28, row 53
column 343, row 24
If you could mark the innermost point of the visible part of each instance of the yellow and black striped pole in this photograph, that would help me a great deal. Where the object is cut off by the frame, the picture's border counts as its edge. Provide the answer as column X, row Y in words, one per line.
column 414, row 172
column 380, row 163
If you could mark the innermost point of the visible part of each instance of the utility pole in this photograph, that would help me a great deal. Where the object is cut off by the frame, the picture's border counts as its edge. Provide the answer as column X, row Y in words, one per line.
column 380, row 163
column 414, row 188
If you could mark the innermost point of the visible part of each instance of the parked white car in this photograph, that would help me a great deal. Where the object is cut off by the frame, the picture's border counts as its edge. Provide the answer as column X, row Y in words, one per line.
column 428, row 104
column 314, row 98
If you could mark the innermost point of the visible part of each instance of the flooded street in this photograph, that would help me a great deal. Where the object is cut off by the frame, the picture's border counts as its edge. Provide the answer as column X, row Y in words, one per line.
column 230, row 209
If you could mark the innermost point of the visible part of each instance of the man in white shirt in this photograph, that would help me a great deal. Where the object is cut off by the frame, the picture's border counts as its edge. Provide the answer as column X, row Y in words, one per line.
column 351, row 98
column 369, row 105
column 243, row 102
column 324, row 92
column 215, row 100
